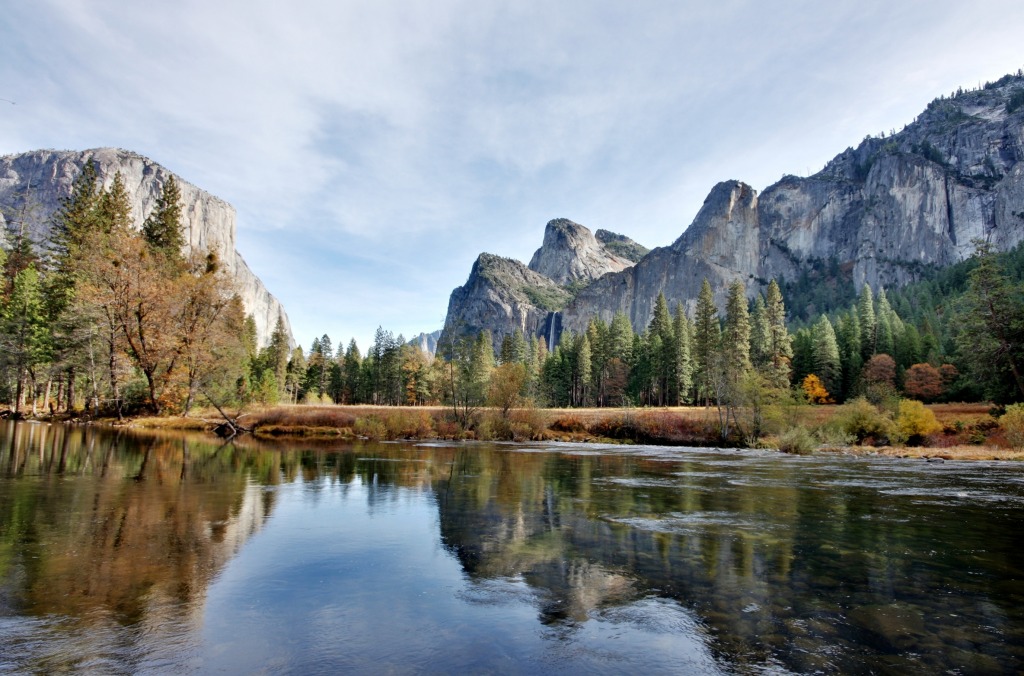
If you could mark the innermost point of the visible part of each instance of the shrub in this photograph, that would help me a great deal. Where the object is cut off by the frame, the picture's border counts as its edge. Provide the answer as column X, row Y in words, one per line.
column 1012, row 424
column 371, row 427
column 797, row 440
column 568, row 423
column 914, row 422
column 863, row 421
column 530, row 422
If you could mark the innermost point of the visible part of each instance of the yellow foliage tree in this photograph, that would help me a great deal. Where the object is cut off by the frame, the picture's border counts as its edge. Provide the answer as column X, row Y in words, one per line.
column 815, row 391
column 914, row 422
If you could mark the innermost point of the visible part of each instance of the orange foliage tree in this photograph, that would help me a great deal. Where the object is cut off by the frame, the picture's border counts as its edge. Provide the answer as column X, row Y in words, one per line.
column 815, row 391
column 924, row 382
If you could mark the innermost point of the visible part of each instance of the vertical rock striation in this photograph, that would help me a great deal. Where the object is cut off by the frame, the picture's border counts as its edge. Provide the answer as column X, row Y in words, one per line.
column 882, row 212
column 32, row 185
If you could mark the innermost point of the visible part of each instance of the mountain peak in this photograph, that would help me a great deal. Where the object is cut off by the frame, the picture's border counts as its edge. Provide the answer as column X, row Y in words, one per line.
column 571, row 253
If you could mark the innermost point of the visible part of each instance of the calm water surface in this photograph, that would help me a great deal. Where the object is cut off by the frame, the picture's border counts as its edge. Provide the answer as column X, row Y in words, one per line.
column 129, row 553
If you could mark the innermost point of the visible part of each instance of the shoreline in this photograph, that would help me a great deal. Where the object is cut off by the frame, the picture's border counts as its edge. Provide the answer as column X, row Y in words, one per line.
column 682, row 427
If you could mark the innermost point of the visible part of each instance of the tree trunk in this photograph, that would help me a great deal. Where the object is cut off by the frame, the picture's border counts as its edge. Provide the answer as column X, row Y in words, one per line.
column 71, row 390
column 46, row 394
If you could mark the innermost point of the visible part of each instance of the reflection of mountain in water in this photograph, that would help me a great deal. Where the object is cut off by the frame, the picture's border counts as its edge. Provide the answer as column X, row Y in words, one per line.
column 111, row 532
column 774, row 566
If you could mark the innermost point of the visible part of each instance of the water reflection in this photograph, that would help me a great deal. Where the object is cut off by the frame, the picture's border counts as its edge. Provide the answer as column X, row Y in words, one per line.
column 128, row 552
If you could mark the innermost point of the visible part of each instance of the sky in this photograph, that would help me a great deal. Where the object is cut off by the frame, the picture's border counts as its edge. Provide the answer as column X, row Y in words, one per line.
column 373, row 149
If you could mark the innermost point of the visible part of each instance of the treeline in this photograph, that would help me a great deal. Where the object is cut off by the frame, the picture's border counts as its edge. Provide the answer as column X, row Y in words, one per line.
column 111, row 317
column 956, row 336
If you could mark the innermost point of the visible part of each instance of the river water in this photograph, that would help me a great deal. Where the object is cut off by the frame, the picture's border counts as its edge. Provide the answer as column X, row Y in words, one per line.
column 146, row 553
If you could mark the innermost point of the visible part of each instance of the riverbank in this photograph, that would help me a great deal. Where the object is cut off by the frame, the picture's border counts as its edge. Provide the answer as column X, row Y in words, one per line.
column 968, row 431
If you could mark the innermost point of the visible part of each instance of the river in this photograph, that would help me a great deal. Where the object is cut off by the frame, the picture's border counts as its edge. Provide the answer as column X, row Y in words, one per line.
column 133, row 552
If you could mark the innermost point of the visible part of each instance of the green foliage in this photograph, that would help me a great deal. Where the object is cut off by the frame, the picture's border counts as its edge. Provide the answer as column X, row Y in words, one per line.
column 798, row 441
column 162, row 229
column 1012, row 424
column 620, row 245
column 1016, row 100
column 550, row 298
column 862, row 421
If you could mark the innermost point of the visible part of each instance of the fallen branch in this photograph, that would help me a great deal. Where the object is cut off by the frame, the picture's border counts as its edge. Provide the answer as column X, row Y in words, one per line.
column 230, row 428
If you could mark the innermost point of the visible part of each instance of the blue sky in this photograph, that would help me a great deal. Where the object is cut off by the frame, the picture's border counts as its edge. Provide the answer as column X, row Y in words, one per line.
column 374, row 149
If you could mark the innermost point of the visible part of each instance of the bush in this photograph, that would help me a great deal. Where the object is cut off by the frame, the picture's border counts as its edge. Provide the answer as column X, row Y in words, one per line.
column 1012, row 424
column 371, row 427
column 914, row 422
column 798, row 441
column 863, row 422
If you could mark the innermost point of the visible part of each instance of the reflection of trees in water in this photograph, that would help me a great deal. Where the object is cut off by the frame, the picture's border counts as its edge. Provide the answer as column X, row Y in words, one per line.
column 777, row 562
column 776, row 567
column 98, row 526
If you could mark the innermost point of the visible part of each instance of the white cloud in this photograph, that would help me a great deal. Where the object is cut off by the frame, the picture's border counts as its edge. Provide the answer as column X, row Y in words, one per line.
column 374, row 148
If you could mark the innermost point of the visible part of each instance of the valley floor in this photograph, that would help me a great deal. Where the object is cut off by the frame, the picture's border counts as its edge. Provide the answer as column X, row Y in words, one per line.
column 969, row 432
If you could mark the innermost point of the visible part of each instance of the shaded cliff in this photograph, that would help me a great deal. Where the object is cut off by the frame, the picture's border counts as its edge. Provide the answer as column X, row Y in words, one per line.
column 883, row 213
column 32, row 185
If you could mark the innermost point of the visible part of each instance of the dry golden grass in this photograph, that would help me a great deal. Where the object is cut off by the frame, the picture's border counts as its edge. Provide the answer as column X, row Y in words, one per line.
column 685, row 425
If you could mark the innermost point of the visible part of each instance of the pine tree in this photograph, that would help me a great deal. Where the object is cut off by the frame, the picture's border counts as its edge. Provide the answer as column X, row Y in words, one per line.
column 351, row 369
column 681, row 329
column 991, row 337
column 760, row 336
column 662, row 350
column 706, row 341
column 736, row 337
column 780, row 349
column 162, row 230
column 24, row 336
column 866, row 317
column 827, row 365
column 884, row 333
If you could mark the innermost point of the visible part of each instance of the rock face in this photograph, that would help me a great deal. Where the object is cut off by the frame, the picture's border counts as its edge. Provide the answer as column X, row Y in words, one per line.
column 427, row 342
column 570, row 253
column 502, row 295
column 885, row 211
column 33, row 184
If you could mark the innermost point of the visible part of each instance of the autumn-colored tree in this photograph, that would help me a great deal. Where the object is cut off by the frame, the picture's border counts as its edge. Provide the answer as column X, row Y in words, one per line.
column 880, row 370
column 505, row 387
column 924, row 382
column 815, row 391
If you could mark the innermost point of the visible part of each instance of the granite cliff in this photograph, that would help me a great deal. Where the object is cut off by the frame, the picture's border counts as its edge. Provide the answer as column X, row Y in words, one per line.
column 882, row 212
column 34, row 183
column 502, row 295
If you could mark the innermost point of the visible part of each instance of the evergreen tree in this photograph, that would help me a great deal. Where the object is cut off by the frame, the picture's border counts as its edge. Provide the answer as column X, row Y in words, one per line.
column 866, row 317
column 162, row 229
column 760, row 336
column 780, row 349
column 683, row 368
column 991, row 323
column 662, row 350
column 706, row 340
column 848, row 337
column 24, row 337
column 513, row 348
column 351, row 369
column 827, row 365
column 736, row 337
